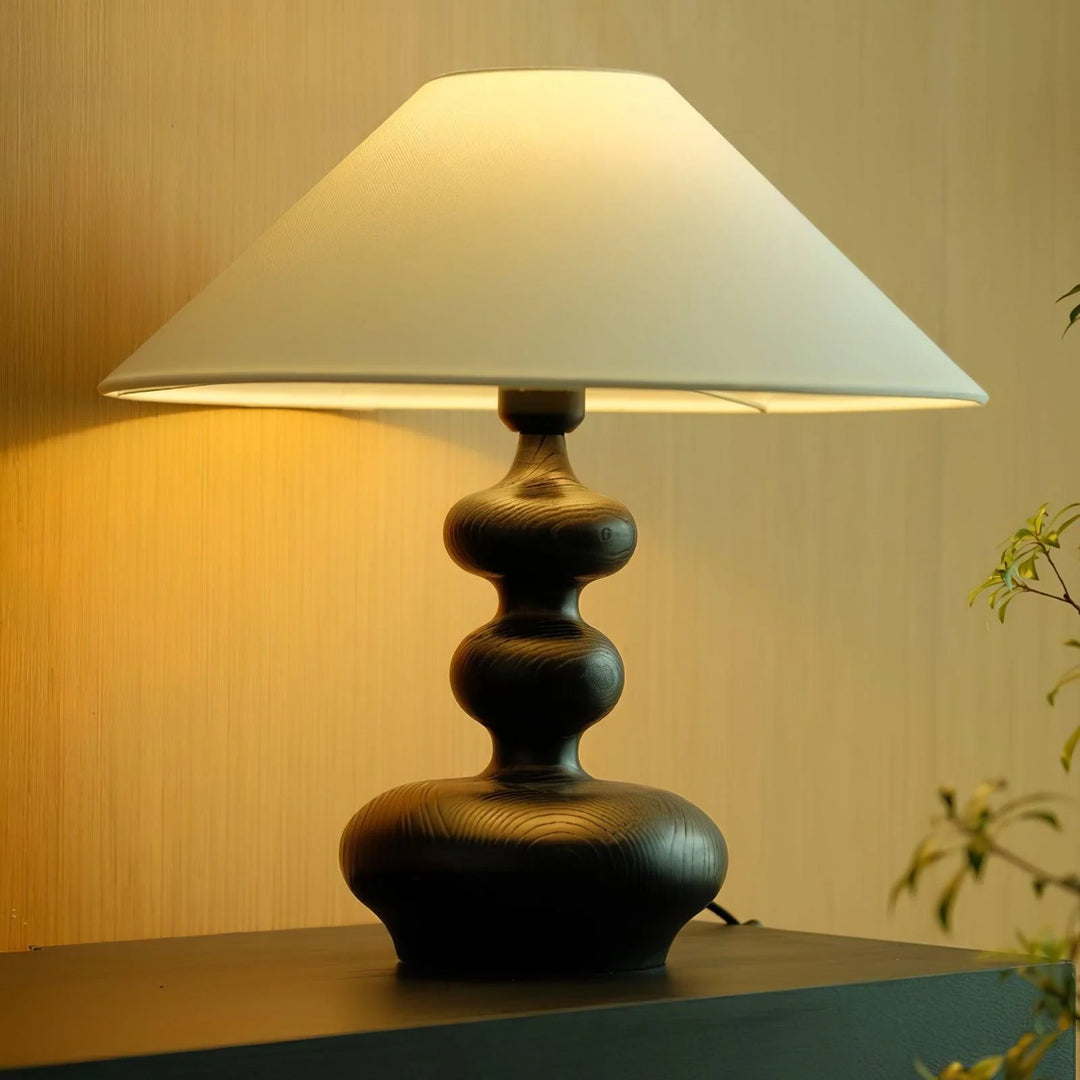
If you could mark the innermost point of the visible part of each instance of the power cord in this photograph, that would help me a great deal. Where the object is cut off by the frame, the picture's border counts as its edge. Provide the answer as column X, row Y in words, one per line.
column 726, row 915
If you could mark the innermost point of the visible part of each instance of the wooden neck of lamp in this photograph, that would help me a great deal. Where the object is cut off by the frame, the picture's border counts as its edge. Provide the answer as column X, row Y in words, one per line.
column 538, row 675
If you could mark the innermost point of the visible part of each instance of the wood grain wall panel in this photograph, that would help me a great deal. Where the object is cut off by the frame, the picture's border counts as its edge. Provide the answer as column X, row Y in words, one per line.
column 222, row 631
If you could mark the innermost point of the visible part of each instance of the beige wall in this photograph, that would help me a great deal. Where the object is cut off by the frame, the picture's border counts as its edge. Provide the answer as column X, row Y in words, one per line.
column 221, row 632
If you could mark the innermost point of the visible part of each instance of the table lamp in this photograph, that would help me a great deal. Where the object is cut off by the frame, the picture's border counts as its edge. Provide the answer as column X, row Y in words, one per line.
column 538, row 240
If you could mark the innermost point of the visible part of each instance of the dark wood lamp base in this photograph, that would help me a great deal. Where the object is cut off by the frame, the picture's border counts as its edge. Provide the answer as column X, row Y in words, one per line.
column 534, row 867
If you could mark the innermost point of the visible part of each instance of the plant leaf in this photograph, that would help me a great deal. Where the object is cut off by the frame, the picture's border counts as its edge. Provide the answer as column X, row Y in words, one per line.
column 1073, row 316
column 987, row 1068
column 1061, row 528
column 1046, row 816
column 926, row 854
column 1070, row 676
column 977, row 809
column 1010, row 805
column 1020, row 1063
column 992, row 580
column 1072, row 292
column 1069, row 749
column 976, row 857
column 1003, row 607
column 947, row 899
column 1027, row 569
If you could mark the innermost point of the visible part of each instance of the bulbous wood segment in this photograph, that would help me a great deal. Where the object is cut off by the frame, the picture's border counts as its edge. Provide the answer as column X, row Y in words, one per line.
column 575, row 875
column 539, row 525
column 534, row 866
column 537, row 670
column 533, row 677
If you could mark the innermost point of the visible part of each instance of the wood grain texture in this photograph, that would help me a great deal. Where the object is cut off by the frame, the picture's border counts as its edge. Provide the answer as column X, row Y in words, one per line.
column 537, row 675
column 209, row 650
column 533, row 862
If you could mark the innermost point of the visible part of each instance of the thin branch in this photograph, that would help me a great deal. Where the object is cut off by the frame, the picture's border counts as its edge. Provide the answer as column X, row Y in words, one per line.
column 1070, row 885
column 1067, row 883
column 1057, row 573
column 1049, row 595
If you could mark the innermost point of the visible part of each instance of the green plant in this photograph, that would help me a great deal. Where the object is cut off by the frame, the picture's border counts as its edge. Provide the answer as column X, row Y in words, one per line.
column 1034, row 543
column 968, row 834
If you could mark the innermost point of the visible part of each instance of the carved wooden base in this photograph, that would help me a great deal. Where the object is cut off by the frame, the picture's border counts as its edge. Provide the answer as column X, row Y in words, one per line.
column 534, row 866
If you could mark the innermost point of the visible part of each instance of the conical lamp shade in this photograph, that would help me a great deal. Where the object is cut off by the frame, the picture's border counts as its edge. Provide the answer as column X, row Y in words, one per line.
column 544, row 228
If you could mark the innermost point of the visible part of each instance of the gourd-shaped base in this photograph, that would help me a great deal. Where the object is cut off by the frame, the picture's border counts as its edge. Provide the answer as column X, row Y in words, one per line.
column 534, row 866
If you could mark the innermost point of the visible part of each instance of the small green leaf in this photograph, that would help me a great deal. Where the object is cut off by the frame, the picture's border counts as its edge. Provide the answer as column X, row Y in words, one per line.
column 1069, row 749
column 983, row 790
column 1073, row 316
column 947, row 899
column 1070, row 676
column 948, row 796
column 1003, row 606
column 1046, row 816
column 986, row 1069
column 976, row 857
column 926, row 854
column 1021, row 540
column 1020, row 1063
column 1063, row 511
column 1010, row 805
column 1072, row 292
column 989, row 583
column 1039, row 885
column 1071, row 521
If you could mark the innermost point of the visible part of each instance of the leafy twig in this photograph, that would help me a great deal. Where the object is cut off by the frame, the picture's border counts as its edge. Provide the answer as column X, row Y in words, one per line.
column 973, row 832
column 1070, row 883
column 1018, row 567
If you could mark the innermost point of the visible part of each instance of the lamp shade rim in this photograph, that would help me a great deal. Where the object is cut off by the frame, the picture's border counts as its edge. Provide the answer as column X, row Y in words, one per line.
column 566, row 68
column 121, row 385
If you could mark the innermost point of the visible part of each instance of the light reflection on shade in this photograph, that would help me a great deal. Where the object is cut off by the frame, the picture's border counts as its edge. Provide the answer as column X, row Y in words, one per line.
column 371, row 397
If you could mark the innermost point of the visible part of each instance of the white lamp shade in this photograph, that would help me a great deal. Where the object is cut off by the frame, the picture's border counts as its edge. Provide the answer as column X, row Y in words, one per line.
column 540, row 228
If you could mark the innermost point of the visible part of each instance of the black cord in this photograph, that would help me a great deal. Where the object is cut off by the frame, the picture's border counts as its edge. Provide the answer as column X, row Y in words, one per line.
column 726, row 915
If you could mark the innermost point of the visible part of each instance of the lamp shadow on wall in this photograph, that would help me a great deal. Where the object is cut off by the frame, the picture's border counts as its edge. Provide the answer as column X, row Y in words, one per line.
column 38, row 410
